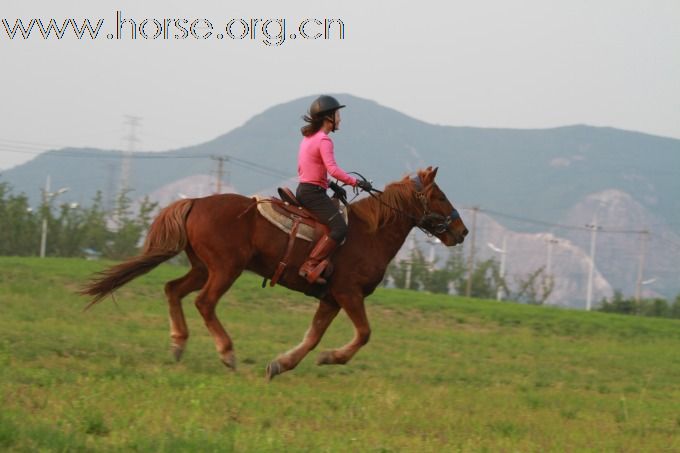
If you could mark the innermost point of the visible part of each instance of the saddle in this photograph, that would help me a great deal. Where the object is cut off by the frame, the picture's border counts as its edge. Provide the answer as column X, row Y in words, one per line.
column 288, row 215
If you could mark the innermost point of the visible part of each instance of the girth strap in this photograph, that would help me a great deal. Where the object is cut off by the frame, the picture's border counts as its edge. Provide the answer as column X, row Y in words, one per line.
column 289, row 250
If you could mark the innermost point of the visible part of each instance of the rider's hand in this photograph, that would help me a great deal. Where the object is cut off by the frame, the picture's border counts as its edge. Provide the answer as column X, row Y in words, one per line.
column 340, row 193
column 364, row 185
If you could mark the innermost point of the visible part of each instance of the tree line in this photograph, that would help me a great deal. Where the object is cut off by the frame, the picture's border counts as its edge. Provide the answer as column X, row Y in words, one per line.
column 117, row 233
column 486, row 282
column 72, row 230
column 418, row 273
column 657, row 307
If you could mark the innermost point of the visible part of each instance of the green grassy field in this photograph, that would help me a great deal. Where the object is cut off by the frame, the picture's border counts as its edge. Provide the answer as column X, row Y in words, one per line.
column 440, row 373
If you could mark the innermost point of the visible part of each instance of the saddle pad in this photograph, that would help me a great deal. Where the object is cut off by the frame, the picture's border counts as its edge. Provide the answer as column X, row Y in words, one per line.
column 285, row 224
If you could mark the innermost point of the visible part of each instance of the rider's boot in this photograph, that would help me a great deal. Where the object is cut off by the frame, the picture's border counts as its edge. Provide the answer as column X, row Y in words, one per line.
column 318, row 260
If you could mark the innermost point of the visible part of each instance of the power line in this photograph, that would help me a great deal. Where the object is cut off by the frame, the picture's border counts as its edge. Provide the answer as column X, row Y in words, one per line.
column 268, row 171
column 471, row 256
column 256, row 166
column 667, row 241
column 73, row 152
column 25, row 143
column 551, row 224
column 19, row 151
column 272, row 172
column 150, row 155
column 243, row 163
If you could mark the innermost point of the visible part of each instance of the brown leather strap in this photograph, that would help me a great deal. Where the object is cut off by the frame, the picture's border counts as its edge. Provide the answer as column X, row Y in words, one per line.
column 289, row 249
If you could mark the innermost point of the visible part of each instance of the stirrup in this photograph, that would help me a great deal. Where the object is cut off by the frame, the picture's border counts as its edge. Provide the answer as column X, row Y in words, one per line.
column 316, row 275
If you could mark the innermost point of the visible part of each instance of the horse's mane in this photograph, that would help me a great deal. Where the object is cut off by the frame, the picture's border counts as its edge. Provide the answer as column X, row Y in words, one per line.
column 377, row 212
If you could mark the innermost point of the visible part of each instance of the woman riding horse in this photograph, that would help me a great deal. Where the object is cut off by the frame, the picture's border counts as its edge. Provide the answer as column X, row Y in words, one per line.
column 315, row 161
column 224, row 235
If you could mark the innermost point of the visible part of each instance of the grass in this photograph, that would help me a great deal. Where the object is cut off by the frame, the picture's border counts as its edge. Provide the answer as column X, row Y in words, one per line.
column 440, row 373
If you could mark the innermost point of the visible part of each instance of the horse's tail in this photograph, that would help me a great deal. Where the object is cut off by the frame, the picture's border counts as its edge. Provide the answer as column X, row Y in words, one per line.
column 166, row 238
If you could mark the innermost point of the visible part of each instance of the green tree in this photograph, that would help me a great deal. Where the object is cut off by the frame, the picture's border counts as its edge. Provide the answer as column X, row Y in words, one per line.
column 618, row 304
column 68, row 231
column 96, row 234
column 486, row 279
column 646, row 307
column 129, row 228
column 675, row 308
column 71, row 229
column 441, row 280
column 19, row 224
column 654, row 307
column 415, row 264
column 534, row 289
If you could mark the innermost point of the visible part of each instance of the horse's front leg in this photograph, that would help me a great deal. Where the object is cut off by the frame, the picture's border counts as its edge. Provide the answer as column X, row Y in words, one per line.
column 325, row 313
column 353, row 304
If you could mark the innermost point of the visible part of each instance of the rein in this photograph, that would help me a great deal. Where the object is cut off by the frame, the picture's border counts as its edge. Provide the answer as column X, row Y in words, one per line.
column 430, row 223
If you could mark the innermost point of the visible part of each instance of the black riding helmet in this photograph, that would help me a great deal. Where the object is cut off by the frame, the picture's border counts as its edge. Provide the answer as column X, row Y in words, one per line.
column 325, row 106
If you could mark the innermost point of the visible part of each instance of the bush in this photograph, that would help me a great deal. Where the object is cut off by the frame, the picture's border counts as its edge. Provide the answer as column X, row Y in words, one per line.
column 645, row 307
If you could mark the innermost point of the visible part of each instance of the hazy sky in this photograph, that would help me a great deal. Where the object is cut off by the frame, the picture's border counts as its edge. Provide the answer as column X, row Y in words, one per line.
column 517, row 64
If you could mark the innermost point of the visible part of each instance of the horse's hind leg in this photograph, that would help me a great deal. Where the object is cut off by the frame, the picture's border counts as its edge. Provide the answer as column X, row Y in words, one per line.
column 218, row 284
column 175, row 291
column 325, row 313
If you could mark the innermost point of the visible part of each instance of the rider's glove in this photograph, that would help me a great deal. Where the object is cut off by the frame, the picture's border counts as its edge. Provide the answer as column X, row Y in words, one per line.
column 340, row 193
column 364, row 185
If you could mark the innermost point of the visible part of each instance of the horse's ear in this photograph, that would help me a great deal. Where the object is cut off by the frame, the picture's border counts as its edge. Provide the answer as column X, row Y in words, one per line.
column 429, row 174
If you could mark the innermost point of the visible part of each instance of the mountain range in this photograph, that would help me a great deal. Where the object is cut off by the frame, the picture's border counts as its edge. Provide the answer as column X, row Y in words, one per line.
column 529, row 181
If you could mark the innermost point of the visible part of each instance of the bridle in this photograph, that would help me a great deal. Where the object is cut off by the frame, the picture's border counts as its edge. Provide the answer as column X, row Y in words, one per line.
column 431, row 223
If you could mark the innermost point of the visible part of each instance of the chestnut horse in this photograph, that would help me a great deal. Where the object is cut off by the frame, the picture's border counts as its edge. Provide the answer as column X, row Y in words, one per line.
column 223, row 235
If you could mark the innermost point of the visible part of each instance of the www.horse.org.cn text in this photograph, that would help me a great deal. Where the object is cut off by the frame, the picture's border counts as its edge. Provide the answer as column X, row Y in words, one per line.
column 272, row 32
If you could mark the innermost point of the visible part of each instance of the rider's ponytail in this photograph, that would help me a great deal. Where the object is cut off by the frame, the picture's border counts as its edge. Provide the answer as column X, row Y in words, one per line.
column 313, row 125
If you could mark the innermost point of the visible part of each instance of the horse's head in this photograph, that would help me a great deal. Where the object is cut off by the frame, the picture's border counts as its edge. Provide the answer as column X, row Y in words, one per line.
column 437, row 215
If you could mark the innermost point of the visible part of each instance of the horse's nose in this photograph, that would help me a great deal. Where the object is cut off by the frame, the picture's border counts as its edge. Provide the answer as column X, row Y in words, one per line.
column 465, row 232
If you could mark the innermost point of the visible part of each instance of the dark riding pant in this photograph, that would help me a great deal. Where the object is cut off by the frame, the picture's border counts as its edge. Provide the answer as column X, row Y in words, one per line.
column 315, row 199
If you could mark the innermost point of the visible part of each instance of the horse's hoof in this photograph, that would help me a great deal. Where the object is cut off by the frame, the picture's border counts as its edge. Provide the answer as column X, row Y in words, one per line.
column 325, row 358
column 230, row 362
column 273, row 369
column 177, row 352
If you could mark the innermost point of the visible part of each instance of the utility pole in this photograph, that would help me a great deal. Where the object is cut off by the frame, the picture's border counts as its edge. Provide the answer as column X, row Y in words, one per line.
column 643, row 250
column 593, row 239
column 131, row 138
column 471, row 257
column 220, row 172
column 46, row 206
column 548, row 265
column 110, row 195
column 47, row 203
column 409, row 266
column 499, row 291
column 503, row 251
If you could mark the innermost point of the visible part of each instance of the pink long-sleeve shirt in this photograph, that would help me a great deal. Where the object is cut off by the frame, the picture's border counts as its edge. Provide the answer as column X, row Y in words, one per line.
column 316, row 160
